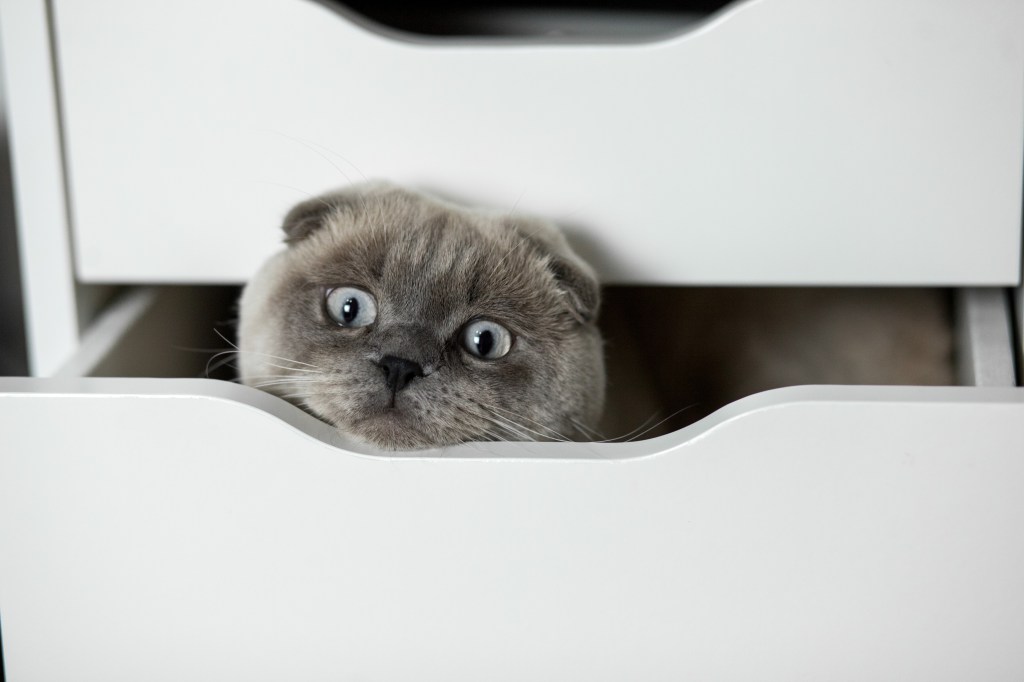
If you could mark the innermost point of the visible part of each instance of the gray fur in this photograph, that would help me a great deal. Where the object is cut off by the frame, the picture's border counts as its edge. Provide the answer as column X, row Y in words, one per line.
column 432, row 267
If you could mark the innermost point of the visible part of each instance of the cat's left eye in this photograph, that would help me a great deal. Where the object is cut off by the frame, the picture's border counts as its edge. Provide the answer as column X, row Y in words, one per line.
column 351, row 307
column 487, row 340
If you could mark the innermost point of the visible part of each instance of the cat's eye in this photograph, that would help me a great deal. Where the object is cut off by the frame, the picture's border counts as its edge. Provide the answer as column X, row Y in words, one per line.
column 486, row 339
column 351, row 307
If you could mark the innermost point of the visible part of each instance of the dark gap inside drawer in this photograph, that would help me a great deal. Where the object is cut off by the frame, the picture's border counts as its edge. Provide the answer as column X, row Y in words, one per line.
column 607, row 20
column 679, row 353
column 182, row 332
column 674, row 354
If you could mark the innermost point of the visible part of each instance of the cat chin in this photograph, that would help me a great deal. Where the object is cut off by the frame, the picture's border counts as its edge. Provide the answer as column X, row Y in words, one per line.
column 371, row 421
column 388, row 432
column 389, row 429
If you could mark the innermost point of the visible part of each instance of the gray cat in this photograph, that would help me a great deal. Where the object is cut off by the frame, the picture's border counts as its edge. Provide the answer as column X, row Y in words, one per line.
column 409, row 322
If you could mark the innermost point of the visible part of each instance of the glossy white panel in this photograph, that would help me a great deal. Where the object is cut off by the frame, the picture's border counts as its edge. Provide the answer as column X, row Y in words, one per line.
column 785, row 141
column 176, row 530
column 44, row 240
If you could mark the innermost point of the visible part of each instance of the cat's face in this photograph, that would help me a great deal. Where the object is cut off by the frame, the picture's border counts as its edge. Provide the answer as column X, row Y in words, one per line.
column 408, row 323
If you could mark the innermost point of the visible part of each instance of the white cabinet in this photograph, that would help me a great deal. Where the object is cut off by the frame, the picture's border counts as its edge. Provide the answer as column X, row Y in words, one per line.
column 781, row 142
column 175, row 528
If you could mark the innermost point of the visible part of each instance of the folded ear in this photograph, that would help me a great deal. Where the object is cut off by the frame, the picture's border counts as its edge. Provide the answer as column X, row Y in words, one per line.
column 579, row 284
column 306, row 218
column 312, row 214
column 573, row 276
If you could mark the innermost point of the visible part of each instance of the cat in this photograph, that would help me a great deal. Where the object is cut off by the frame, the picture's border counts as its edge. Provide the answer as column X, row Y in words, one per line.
column 410, row 322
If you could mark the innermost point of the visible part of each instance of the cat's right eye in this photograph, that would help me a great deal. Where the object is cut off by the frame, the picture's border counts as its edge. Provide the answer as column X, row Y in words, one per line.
column 350, row 307
column 487, row 340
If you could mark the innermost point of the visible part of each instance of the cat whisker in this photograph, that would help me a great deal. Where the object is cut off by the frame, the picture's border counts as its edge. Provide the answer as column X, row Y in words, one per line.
column 323, row 156
column 297, row 396
column 638, row 429
column 654, row 426
column 474, row 430
column 222, row 358
column 239, row 351
column 492, row 435
column 520, row 435
column 590, row 433
column 516, row 204
column 523, row 427
column 292, row 369
column 515, row 426
column 497, row 434
column 284, row 382
column 559, row 436
column 521, row 432
column 343, row 158
column 505, row 437
column 311, row 146
column 633, row 435
column 226, row 356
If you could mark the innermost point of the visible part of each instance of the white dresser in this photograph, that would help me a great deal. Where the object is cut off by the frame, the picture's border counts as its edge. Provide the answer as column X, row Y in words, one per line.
column 182, row 528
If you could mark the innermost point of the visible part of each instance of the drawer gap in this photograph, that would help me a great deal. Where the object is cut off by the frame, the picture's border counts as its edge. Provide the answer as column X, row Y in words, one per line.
column 674, row 354
column 161, row 332
column 561, row 21
column 679, row 353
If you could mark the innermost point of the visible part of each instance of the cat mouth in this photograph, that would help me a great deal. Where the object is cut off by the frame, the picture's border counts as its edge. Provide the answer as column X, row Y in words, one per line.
column 391, row 423
column 401, row 420
column 392, row 429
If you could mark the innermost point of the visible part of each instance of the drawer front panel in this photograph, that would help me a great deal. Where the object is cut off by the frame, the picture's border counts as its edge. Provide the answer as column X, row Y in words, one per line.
column 785, row 141
column 857, row 533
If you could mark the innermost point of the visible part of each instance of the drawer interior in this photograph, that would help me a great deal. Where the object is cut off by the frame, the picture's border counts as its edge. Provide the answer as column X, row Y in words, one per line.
column 161, row 332
column 682, row 353
column 674, row 355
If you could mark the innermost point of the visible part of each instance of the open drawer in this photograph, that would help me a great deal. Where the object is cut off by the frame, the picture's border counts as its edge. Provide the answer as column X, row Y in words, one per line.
column 775, row 142
column 196, row 529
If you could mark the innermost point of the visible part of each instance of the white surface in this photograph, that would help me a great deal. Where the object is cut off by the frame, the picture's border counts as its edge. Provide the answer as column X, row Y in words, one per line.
column 44, row 242
column 804, row 534
column 787, row 141
column 985, row 348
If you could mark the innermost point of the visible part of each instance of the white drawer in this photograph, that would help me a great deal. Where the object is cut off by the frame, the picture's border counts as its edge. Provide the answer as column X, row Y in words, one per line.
column 180, row 531
column 782, row 142
column 195, row 529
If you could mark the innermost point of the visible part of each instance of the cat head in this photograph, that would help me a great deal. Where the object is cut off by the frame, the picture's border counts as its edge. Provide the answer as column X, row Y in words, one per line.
column 410, row 322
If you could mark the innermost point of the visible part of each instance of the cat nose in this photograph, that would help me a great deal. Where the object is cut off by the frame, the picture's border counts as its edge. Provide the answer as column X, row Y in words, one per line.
column 399, row 371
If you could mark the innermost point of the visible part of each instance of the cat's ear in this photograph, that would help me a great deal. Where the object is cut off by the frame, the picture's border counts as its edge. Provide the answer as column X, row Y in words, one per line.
column 574, row 278
column 579, row 284
column 311, row 215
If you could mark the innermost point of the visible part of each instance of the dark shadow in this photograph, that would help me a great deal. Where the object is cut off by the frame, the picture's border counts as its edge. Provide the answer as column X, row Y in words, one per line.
column 13, row 345
column 680, row 353
column 528, row 21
